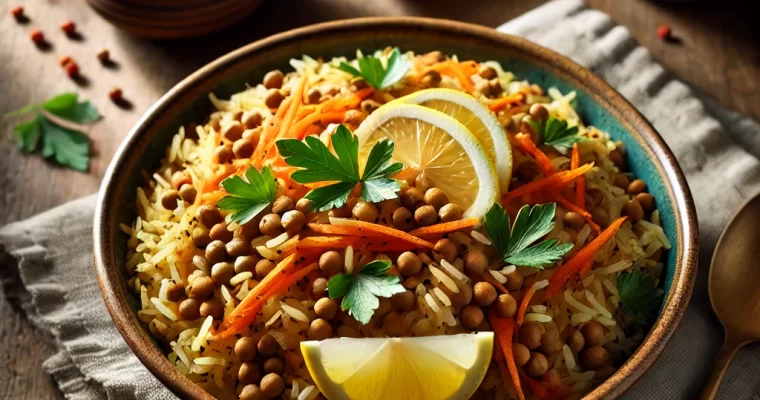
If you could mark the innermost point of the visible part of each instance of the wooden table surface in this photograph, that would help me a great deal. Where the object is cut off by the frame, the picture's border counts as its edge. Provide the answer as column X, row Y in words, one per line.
column 718, row 53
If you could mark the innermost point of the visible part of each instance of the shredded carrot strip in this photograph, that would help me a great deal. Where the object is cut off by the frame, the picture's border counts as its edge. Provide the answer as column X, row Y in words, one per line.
column 580, row 183
column 446, row 227
column 574, row 265
column 279, row 288
column 586, row 268
column 405, row 173
column 329, row 229
column 504, row 328
column 306, row 110
column 269, row 133
column 553, row 183
column 527, row 146
column 289, row 119
column 321, row 243
column 212, row 197
column 572, row 207
column 245, row 312
column 388, row 232
column 488, row 278
column 504, row 102
column 300, row 129
column 457, row 71
column 535, row 387
column 524, row 304
column 212, row 183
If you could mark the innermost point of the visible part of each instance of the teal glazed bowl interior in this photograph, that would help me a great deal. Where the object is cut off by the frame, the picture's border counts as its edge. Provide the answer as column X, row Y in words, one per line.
column 597, row 103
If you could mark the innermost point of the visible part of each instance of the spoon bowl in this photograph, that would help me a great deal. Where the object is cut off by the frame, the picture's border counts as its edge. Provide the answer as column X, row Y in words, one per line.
column 733, row 286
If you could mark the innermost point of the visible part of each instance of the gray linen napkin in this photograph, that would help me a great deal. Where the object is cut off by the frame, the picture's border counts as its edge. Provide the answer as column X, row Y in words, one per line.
column 718, row 151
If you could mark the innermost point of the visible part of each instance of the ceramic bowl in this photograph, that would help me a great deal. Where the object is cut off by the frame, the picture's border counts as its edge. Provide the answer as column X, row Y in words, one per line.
column 173, row 19
column 597, row 103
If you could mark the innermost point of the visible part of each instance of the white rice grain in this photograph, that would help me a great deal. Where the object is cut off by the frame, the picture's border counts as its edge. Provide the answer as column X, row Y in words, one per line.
column 616, row 267
column 442, row 297
column 164, row 309
column 537, row 317
column 498, row 276
column 453, row 271
column 240, row 278
column 349, row 259
column 577, row 305
column 480, row 238
column 309, row 393
column 202, row 333
column 591, row 299
column 294, row 312
column 443, row 278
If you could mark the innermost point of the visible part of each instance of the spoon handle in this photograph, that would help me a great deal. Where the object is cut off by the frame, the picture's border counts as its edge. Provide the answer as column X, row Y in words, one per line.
column 727, row 352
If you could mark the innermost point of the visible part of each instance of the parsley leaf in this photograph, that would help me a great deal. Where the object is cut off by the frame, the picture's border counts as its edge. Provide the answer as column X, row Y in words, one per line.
column 372, row 71
column 531, row 224
column 318, row 164
column 248, row 199
column 360, row 291
column 554, row 132
column 67, row 146
column 639, row 296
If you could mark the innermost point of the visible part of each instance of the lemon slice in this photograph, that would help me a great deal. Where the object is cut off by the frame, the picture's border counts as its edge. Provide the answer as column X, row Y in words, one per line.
column 431, row 368
column 477, row 118
column 438, row 145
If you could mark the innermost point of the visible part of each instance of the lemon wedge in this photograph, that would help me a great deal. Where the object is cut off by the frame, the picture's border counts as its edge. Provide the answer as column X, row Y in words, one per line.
column 477, row 118
column 431, row 368
column 449, row 155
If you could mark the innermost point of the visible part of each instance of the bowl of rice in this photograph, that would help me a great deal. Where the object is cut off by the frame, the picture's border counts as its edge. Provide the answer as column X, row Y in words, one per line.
column 379, row 207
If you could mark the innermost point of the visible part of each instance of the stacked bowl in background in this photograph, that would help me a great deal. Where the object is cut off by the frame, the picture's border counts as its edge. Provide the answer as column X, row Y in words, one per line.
column 173, row 19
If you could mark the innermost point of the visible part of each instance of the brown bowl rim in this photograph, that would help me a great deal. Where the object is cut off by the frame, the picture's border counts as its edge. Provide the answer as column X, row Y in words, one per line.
column 624, row 112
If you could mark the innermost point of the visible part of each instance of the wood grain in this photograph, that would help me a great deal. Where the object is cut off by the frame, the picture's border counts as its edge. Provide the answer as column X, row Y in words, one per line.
column 718, row 53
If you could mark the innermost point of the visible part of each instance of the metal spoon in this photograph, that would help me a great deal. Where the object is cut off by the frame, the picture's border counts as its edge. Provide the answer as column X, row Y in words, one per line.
column 733, row 285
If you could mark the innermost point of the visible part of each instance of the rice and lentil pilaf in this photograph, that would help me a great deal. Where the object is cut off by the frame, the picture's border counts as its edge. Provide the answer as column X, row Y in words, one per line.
column 191, row 264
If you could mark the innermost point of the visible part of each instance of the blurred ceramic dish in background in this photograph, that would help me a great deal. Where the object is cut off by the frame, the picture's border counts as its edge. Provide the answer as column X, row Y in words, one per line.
column 173, row 19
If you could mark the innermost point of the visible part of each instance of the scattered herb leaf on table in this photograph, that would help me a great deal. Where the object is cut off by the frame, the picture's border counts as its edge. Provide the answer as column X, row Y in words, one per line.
column 68, row 147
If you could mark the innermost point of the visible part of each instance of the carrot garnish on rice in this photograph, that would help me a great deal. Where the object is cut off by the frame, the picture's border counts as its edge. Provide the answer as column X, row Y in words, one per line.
column 554, row 183
column 585, row 256
column 504, row 329
column 528, row 147
column 580, row 183
column 524, row 304
column 445, row 227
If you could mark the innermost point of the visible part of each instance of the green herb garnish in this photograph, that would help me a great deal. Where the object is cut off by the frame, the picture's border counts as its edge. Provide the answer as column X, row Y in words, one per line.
column 372, row 71
column 531, row 224
column 360, row 291
column 320, row 165
column 67, row 146
column 554, row 132
column 638, row 295
column 248, row 199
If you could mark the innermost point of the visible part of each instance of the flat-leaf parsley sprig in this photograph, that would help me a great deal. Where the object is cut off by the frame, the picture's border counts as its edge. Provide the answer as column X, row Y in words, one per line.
column 67, row 146
column 639, row 296
column 360, row 291
column 318, row 164
column 372, row 71
column 555, row 132
column 531, row 224
column 248, row 199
